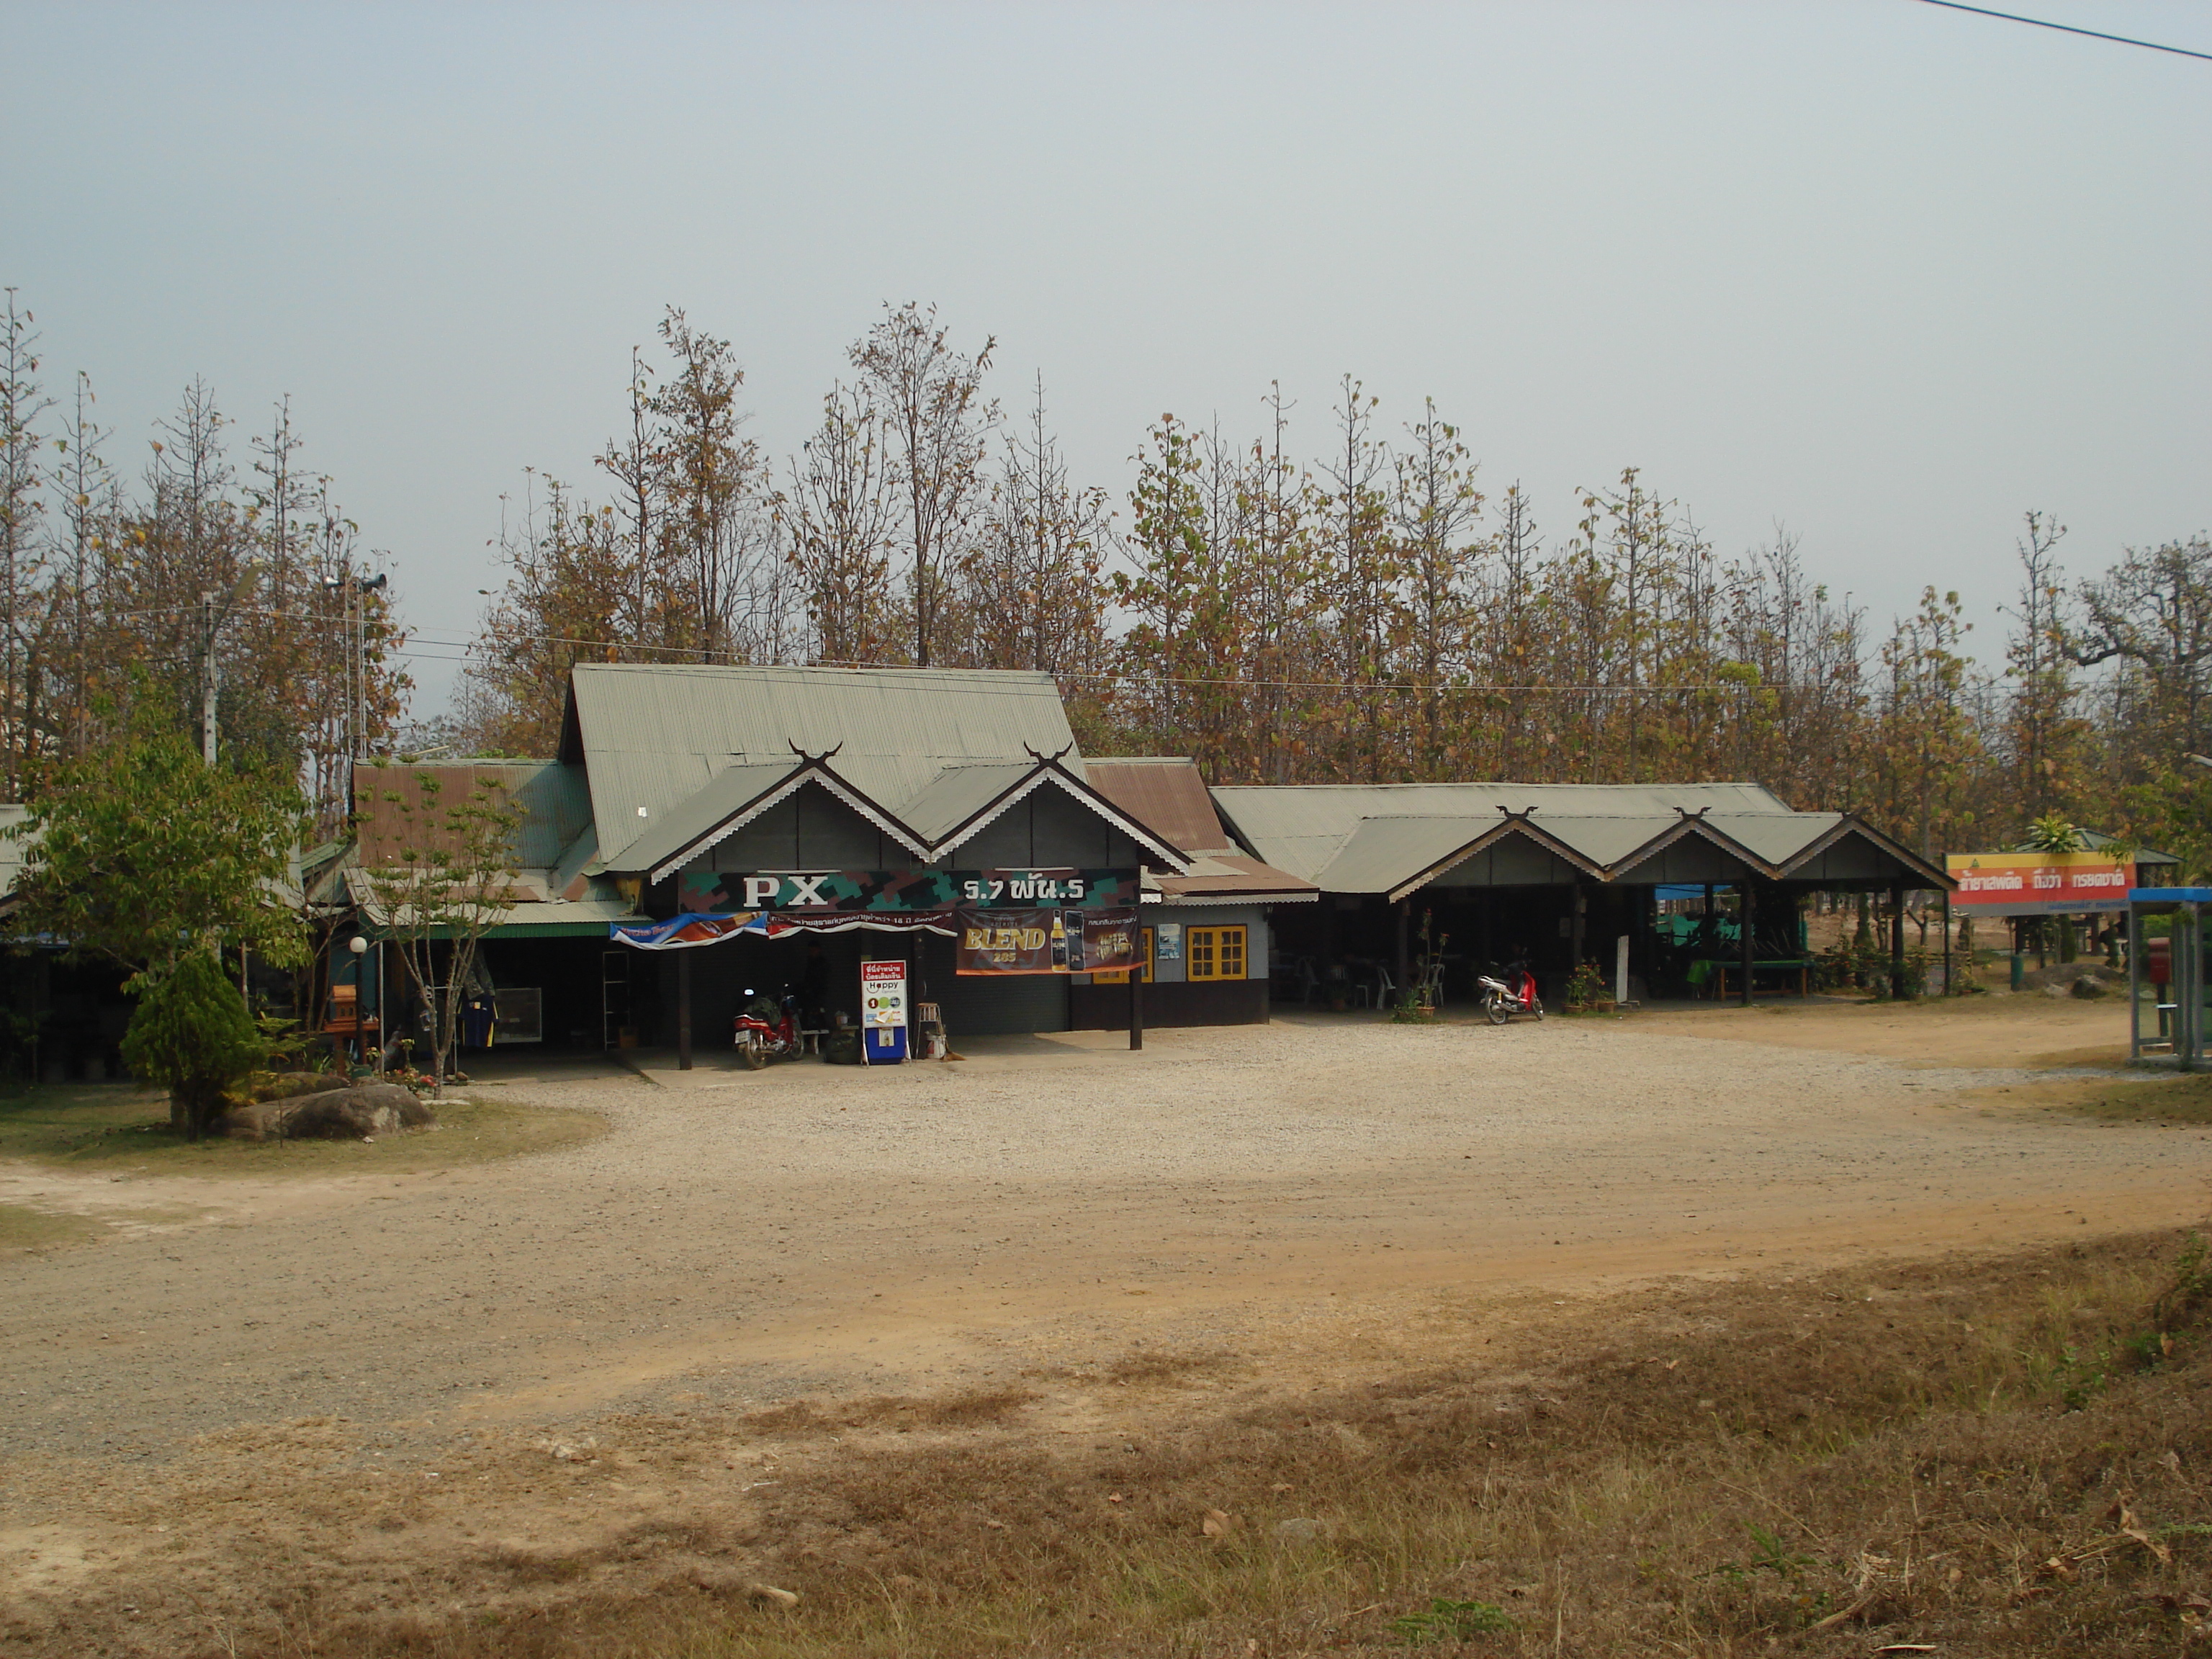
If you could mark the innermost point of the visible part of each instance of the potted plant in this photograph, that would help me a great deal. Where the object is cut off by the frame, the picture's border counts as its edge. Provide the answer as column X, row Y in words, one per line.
column 1586, row 990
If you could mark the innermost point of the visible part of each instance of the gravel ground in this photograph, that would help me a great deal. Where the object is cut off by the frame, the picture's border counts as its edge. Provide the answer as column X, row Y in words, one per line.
column 744, row 1237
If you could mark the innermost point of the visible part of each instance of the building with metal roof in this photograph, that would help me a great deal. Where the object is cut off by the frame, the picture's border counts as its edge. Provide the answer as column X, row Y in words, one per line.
column 861, row 810
column 1560, row 874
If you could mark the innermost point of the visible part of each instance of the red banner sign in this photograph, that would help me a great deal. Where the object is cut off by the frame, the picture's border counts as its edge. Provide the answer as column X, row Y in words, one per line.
column 2039, row 884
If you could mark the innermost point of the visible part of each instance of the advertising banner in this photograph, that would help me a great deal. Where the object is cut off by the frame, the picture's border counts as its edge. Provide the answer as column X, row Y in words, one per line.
column 2038, row 883
column 1010, row 942
column 901, row 891
column 883, row 994
column 998, row 942
column 1102, row 941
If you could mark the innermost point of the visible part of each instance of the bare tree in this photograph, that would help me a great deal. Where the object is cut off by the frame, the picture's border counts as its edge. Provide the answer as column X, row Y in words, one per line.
column 838, row 518
column 21, row 546
column 930, row 400
column 1031, row 587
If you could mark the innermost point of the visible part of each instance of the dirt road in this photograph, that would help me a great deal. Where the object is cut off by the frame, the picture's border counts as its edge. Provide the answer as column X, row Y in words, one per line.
column 1311, row 1195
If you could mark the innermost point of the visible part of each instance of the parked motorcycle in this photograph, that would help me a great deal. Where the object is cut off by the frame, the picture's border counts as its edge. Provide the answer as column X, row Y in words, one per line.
column 765, row 1028
column 1508, row 991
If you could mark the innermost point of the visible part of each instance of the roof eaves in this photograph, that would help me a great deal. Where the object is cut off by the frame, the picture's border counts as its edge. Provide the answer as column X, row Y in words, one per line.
column 814, row 768
column 1048, row 770
column 1514, row 823
column 1692, row 823
column 1850, row 824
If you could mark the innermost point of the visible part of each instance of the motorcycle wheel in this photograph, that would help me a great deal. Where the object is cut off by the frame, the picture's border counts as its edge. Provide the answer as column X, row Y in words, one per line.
column 1493, row 1005
column 752, row 1054
column 1536, row 1007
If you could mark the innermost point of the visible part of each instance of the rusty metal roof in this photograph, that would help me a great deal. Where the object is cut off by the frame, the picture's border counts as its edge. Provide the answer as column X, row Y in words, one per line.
column 1166, row 792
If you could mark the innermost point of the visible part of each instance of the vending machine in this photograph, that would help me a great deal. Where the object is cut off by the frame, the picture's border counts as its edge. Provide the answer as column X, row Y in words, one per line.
column 883, row 1012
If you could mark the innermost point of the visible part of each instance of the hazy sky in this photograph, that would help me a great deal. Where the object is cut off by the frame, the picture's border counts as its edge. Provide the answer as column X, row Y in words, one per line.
column 1884, row 273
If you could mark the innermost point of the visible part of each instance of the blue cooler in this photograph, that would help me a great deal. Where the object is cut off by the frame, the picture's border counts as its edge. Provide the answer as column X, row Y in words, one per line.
column 883, row 1045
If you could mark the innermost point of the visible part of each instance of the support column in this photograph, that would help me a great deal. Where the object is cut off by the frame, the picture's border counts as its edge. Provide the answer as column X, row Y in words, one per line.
column 1948, row 989
column 1405, row 961
column 683, row 1011
column 1897, row 941
column 1746, row 931
column 1137, row 1005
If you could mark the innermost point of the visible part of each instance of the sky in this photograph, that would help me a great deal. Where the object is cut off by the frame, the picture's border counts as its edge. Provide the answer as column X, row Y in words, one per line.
column 1881, row 273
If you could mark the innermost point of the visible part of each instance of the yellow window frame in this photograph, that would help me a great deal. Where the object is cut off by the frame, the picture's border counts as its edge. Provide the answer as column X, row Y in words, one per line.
column 1216, row 953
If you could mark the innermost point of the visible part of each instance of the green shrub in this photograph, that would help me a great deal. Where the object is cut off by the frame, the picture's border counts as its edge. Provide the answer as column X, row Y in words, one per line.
column 191, row 1034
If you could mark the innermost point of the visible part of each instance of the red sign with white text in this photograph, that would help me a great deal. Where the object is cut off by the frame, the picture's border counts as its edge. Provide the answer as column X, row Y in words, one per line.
column 2039, row 884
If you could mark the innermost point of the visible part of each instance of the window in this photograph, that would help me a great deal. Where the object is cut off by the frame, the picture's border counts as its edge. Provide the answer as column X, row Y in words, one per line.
column 1214, row 953
column 1121, row 975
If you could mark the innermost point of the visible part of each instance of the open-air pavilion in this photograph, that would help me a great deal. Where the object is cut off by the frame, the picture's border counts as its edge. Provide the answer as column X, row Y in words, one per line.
column 1560, row 873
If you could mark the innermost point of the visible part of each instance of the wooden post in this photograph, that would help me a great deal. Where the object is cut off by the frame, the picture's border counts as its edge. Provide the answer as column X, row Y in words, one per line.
column 1947, row 990
column 1897, row 941
column 1746, row 932
column 683, row 1011
column 1137, row 1005
column 1405, row 961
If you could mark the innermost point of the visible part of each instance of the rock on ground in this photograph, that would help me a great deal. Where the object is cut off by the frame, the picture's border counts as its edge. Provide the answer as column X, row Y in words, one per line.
column 344, row 1113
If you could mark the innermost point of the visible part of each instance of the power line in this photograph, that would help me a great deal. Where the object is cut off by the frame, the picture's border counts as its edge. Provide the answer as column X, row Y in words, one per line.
column 2068, row 28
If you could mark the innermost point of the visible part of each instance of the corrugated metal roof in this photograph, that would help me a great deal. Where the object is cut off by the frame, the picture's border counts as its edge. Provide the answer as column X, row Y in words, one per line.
column 958, row 794
column 656, row 837
column 1226, row 877
column 554, row 804
column 654, row 734
column 1165, row 792
column 1299, row 827
column 1380, row 838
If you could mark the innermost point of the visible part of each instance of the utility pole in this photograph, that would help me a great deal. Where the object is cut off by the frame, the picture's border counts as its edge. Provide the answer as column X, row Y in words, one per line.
column 207, row 680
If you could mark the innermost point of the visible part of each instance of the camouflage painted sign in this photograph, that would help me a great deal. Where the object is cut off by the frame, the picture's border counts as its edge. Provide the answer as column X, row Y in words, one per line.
column 717, row 892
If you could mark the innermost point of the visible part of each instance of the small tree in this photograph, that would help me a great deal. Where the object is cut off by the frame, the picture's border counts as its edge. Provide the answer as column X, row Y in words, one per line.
column 192, row 1033
column 445, row 878
column 142, row 853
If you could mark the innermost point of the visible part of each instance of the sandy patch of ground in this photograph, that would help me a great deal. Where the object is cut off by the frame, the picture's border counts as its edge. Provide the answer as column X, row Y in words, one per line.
column 256, row 1386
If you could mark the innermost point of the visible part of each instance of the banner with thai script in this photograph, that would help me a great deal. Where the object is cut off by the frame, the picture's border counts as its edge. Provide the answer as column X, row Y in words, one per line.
column 2038, row 883
column 1102, row 941
column 727, row 891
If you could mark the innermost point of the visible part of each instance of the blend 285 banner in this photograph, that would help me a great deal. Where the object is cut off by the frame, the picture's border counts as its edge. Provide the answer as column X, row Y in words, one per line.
column 1002, row 942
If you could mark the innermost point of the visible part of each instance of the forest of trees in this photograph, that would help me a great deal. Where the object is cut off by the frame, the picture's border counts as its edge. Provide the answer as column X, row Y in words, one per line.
column 218, row 561
column 1350, row 598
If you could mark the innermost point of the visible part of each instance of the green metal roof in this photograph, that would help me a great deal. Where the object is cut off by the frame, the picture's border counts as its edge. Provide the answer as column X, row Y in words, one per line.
column 1392, row 838
column 655, row 735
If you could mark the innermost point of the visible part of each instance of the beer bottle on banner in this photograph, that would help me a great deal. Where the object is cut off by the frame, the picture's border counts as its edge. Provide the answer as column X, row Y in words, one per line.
column 1059, row 945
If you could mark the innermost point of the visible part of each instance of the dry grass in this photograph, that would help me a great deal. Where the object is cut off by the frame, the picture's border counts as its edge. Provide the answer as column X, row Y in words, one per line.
column 114, row 1128
column 1999, row 1458
column 2171, row 1100
column 25, row 1228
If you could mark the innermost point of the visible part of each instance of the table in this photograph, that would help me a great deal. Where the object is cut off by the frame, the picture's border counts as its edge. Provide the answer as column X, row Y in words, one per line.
column 1717, row 970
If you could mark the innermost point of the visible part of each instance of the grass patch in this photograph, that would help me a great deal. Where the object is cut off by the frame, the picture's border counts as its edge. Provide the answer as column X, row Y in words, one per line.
column 118, row 1127
column 2001, row 1457
column 2159, row 1101
column 23, row 1228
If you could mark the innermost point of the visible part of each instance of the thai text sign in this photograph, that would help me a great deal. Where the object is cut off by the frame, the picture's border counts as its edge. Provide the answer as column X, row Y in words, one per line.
column 2039, row 884
column 883, row 994
column 710, row 892
column 997, row 942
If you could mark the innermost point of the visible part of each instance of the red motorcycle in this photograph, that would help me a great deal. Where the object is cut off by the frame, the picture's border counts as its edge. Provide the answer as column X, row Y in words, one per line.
column 1511, row 991
column 766, row 1028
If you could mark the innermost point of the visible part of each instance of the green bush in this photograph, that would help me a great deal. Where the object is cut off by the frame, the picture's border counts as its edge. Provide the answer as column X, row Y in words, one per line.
column 191, row 1034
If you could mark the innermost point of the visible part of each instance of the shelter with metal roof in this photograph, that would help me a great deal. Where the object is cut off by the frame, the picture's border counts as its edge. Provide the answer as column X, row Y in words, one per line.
column 1550, row 871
